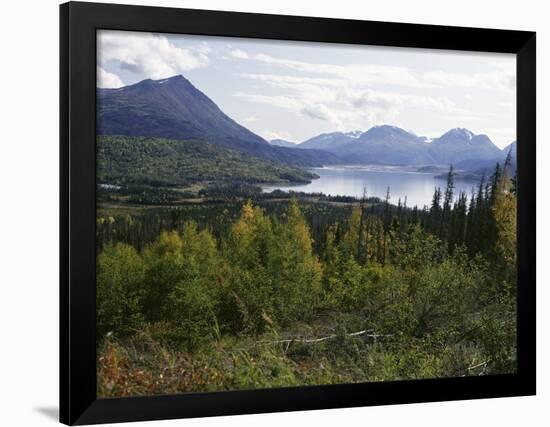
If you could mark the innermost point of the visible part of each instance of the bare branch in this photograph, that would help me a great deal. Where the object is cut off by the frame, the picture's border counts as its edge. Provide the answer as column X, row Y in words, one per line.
column 321, row 339
column 479, row 365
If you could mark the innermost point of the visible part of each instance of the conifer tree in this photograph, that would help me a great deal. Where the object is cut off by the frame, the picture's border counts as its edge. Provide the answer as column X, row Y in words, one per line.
column 251, row 282
column 362, row 233
column 504, row 210
column 387, row 223
column 449, row 191
column 445, row 220
column 295, row 269
column 435, row 212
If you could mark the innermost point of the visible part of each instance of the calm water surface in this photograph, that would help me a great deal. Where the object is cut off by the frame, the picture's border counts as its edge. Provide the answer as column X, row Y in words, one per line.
column 403, row 181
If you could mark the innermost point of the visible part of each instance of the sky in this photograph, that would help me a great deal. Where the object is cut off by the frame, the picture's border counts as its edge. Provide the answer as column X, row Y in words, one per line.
column 297, row 90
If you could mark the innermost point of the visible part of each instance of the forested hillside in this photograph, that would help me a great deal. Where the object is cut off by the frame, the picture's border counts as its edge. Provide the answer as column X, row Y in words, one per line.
column 276, row 294
column 159, row 162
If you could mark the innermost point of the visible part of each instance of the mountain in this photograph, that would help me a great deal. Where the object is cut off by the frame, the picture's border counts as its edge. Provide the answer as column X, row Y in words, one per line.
column 460, row 144
column 513, row 147
column 330, row 141
column 380, row 144
column 283, row 143
column 388, row 145
column 477, row 167
column 392, row 145
column 173, row 108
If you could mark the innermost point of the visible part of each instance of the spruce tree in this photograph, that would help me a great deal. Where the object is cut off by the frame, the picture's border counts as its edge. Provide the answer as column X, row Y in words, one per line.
column 387, row 223
column 447, row 205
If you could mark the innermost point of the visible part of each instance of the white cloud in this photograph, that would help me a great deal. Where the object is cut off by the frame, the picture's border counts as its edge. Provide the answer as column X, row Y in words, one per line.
column 309, row 89
column 358, row 73
column 149, row 55
column 108, row 80
column 296, row 105
column 347, row 97
column 282, row 80
column 285, row 102
column 322, row 112
column 250, row 119
column 492, row 80
column 239, row 54
column 342, row 103
column 338, row 115
column 457, row 119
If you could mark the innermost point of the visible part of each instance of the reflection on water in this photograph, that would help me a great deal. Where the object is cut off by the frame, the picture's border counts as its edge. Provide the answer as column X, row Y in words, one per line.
column 349, row 181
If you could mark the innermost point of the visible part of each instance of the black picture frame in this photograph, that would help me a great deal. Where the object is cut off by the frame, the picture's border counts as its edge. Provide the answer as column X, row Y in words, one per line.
column 78, row 25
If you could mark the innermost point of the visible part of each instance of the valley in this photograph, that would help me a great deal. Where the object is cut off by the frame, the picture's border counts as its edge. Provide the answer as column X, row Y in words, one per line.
column 226, row 262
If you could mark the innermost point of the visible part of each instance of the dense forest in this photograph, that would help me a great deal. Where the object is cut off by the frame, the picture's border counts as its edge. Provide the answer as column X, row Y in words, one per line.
column 160, row 162
column 236, row 289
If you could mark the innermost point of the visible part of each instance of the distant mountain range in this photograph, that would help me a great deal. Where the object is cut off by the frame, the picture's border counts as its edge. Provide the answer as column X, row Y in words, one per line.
column 173, row 108
column 282, row 143
column 392, row 145
column 461, row 144
column 388, row 145
column 330, row 141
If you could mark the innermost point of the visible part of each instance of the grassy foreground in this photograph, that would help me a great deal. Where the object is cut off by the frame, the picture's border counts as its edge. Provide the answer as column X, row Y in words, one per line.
column 143, row 366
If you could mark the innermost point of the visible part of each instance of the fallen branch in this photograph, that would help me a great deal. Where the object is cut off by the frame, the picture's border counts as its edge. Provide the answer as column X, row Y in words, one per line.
column 321, row 339
column 479, row 365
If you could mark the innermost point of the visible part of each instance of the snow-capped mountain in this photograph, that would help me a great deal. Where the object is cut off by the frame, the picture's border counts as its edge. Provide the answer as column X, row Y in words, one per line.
column 331, row 141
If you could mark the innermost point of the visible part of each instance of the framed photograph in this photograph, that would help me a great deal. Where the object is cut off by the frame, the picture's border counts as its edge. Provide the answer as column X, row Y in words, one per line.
column 267, row 213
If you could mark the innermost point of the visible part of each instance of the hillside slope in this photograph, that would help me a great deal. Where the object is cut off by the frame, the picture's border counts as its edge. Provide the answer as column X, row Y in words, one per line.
column 125, row 160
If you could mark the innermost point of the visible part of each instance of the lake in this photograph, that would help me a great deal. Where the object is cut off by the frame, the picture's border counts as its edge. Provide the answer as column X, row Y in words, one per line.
column 403, row 181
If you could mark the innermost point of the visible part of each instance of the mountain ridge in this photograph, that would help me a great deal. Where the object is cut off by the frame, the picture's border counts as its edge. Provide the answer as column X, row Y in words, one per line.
column 329, row 140
column 175, row 109
column 278, row 142
column 386, row 144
